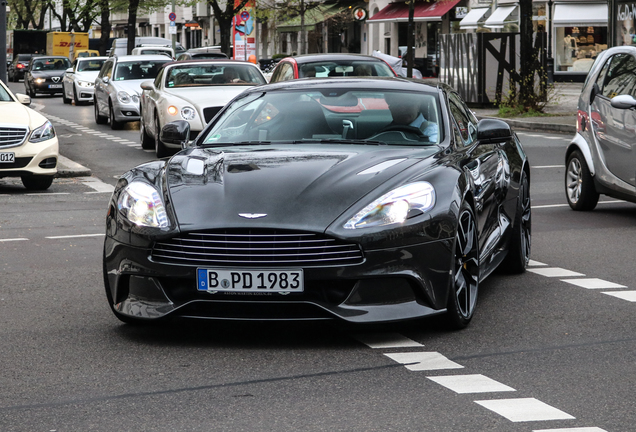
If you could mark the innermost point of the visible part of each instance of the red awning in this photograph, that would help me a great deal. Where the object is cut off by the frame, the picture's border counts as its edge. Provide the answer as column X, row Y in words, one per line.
column 424, row 11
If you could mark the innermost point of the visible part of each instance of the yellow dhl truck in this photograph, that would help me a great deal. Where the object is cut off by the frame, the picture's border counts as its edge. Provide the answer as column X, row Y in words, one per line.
column 65, row 43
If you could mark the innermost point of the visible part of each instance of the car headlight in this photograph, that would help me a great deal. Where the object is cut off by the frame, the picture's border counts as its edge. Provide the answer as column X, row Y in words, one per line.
column 43, row 133
column 141, row 204
column 394, row 207
column 125, row 98
column 85, row 83
column 173, row 110
column 39, row 80
column 188, row 113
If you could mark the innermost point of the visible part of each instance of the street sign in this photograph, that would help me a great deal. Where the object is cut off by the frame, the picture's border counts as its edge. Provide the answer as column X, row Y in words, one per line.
column 173, row 24
column 172, row 29
column 172, row 16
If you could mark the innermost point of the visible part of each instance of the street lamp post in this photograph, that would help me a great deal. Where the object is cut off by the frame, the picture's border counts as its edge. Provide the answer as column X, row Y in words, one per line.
column 549, row 59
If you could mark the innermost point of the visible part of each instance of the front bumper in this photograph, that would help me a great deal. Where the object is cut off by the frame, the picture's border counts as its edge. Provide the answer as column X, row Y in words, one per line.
column 32, row 159
column 389, row 285
column 126, row 112
column 84, row 94
column 48, row 87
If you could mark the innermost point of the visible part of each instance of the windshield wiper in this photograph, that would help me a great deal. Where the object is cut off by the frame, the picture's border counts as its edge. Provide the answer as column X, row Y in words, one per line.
column 227, row 144
column 339, row 141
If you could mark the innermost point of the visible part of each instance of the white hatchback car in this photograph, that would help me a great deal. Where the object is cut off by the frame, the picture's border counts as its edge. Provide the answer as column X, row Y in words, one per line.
column 191, row 90
column 28, row 144
column 79, row 79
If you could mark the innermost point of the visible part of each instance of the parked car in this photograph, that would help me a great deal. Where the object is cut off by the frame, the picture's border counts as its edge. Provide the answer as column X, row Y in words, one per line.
column 202, row 53
column 44, row 75
column 117, row 87
column 283, row 209
column 18, row 67
column 600, row 157
column 120, row 45
column 154, row 50
column 28, row 144
column 194, row 91
column 329, row 65
column 79, row 79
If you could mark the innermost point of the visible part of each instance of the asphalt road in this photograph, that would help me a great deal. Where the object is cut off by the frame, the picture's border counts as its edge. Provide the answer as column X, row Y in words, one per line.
column 552, row 349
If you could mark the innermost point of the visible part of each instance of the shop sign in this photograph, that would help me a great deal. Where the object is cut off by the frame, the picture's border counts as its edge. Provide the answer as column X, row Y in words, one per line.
column 625, row 25
column 359, row 14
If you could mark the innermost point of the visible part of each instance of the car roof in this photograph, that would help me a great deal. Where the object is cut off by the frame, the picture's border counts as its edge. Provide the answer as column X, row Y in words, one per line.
column 311, row 58
column 38, row 56
column 216, row 60
column 354, row 83
column 140, row 57
column 92, row 58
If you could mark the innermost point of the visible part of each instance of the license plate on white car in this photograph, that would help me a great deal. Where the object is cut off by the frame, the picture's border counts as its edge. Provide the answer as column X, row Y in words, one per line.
column 54, row 86
column 250, row 281
column 7, row 157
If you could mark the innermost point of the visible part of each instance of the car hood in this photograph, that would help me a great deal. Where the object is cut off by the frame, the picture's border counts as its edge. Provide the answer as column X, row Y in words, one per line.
column 206, row 96
column 129, row 86
column 86, row 76
column 302, row 186
column 17, row 114
column 47, row 74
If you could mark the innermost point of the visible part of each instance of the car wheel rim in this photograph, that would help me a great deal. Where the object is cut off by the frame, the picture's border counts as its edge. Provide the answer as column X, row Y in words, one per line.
column 526, row 220
column 466, row 265
column 574, row 180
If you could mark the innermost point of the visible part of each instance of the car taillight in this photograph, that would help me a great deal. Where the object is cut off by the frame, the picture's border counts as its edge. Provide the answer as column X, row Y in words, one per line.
column 582, row 121
column 20, row 66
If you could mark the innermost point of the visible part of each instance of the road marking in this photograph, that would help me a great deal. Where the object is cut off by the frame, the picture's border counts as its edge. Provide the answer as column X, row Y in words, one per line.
column 386, row 340
column 48, row 193
column 536, row 263
column 630, row 296
column 547, row 166
column 524, row 410
column 555, row 272
column 463, row 384
column 421, row 361
column 593, row 283
column 580, row 429
column 13, row 239
column 75, row 236
column 567, row 205
column 97, row 184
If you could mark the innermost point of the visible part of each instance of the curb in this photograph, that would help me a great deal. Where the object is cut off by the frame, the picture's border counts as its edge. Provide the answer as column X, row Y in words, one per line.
column 68, row 168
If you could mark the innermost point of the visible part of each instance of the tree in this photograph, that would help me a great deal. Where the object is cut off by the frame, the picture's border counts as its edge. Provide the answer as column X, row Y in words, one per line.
column 76, row 15
column 528, row 58
column 224, row 18
column 29, row 12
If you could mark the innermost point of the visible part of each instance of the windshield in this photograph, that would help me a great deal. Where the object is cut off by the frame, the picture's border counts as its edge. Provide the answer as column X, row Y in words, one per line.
column 4, row 95
column 90, row 65
column 329, row 114
column 138, row 70
column 202, row 74
column 48, row 64
column 344, row 68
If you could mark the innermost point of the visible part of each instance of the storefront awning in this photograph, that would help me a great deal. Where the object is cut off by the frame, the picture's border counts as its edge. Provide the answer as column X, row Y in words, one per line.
column 424, row 11
column 500, row 17
column 566, row 15
column 471, row 20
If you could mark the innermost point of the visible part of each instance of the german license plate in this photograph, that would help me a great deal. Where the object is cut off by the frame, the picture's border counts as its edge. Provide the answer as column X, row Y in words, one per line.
column 250, row 281
column 54, row 86
column 7, row 157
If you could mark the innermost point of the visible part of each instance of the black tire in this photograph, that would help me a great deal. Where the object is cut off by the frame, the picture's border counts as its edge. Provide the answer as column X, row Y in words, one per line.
column 521, row 237
column 146, row 141
column 114, row 124
column 99, row 119
column 30, row 92
column 462, row 297
column 64, row 98
column 75, row 98
column 37, row 182
column 579, row 185
column 160, row 148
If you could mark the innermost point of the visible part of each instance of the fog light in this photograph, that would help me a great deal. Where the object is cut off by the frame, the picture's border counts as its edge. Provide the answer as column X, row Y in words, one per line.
column 172, row 110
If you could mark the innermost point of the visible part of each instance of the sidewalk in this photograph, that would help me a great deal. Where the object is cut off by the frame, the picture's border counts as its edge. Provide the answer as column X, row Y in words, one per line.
column 562, row 109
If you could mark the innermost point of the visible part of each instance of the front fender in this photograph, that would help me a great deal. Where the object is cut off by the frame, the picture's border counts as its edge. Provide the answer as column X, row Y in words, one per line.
column 579, row 143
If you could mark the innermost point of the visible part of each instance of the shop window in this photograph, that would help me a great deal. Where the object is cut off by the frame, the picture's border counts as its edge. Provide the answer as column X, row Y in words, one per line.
column 577, row 47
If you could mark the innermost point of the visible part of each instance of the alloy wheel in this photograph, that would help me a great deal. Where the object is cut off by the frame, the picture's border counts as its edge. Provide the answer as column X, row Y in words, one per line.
column 466, row 275
column 574, row 180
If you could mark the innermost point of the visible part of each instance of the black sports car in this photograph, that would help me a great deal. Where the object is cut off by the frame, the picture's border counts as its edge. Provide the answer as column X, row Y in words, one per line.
column 366, row 200
column 45, row 74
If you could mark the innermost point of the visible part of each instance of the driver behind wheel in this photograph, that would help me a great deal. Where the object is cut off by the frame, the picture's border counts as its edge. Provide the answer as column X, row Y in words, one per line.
column 405, row 110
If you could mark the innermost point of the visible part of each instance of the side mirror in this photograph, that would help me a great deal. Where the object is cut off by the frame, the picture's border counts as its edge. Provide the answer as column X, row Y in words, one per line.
column 69, row 70
column 593, row 93
column 492, row 131
column 23, row 99
column 147, row 85
column 176, row 132
column 623, row 102
column 105, row 79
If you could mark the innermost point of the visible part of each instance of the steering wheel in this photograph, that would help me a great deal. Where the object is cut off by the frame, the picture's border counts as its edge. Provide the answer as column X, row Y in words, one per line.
column 404, row 128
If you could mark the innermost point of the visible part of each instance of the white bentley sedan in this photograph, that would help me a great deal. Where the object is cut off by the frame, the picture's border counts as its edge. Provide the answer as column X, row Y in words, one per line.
column 28, row 144
column 192, row 90
column 79, row 79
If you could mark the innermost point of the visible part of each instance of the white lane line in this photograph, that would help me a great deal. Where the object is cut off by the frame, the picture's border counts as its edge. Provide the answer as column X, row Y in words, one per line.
column 555, row 272
column 630, row 296
column 566, row 205
column 463, row 384
column 524, row 410
column 421, row 361
column 593, row 283
column 13, row 239
column 48, row 193
column 149, row 151
column 578, row 429
column 97, row 184
column 75, row 236
column 533, row 263
column 386, row 340
column 547, row 166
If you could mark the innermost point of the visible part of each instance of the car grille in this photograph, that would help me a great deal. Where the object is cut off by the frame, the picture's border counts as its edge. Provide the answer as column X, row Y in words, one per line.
column 210, row 112
column 12, row 136
column 256, row 248
column 20, row 162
